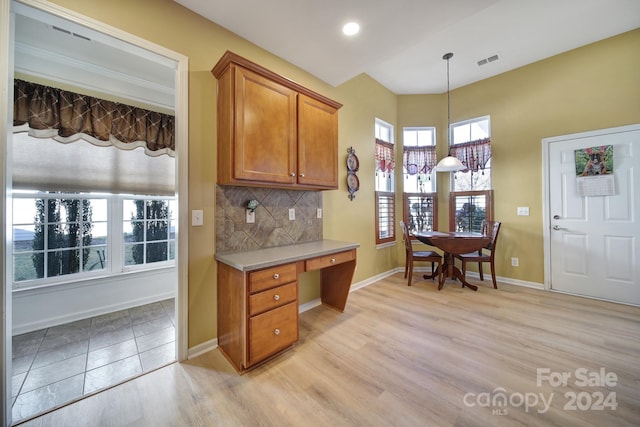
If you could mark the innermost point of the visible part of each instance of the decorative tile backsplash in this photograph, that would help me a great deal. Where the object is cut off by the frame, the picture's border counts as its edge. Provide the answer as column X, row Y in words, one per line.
column 272, row 226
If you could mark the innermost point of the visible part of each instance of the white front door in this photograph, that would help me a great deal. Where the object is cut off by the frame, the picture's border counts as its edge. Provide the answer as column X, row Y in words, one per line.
column 594, row 241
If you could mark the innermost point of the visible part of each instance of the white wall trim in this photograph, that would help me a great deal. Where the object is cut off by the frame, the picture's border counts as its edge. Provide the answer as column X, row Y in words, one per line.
column 202, row 348
column 44, row 307
column 6, row 99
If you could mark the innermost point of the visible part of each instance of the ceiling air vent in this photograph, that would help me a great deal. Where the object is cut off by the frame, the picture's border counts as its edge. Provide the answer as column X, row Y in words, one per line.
column 486, row 61
column 62, row 30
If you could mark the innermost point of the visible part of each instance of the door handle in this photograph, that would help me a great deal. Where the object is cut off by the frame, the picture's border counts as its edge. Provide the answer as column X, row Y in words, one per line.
column 556, row 217
column 556, row 227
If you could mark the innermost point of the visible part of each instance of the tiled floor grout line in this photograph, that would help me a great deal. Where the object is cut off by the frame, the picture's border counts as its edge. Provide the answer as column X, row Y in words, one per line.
column 112, row 375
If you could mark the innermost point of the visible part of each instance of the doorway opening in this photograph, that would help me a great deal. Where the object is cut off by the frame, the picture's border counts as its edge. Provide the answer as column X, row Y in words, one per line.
column 116, row 337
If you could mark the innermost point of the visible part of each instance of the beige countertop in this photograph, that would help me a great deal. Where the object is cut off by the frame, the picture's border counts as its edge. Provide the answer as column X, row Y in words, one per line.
column 268, row 257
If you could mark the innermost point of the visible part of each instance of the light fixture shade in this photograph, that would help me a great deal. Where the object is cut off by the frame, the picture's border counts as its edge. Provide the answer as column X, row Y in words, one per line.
column 450, row 164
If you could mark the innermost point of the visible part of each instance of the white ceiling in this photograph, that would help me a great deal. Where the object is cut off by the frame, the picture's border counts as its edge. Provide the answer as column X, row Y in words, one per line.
column 401, row 42
column 55, row 49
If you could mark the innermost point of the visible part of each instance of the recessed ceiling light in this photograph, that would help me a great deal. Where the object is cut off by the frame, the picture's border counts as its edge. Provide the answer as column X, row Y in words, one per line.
column 351, row 28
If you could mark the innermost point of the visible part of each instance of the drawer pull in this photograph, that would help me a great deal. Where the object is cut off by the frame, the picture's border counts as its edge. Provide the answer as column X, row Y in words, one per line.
column 276, row 331
column 276, row 297
column 333, row 260
column 276, row 276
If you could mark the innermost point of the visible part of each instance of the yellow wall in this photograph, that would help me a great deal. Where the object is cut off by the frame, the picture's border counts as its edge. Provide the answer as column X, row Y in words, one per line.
column 589, row 88
column 593, row 87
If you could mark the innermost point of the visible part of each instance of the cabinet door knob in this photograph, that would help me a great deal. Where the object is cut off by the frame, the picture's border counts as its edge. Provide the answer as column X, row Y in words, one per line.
column 301, row 175
column 276, row 297
column 333, row 260
column 292, row 174
column 276, row 331
column 276, row 276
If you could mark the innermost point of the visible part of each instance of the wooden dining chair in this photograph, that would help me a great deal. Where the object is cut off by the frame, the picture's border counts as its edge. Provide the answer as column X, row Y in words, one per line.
column 486, row 254
column 413, row 256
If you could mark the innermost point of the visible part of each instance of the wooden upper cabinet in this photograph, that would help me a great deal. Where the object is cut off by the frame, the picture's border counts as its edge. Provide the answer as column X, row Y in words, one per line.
column 273, row 132
column 264, row 146
column 317, row 143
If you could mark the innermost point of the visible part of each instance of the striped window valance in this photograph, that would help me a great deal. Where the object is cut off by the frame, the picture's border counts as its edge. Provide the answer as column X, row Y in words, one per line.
column 473, row 154
column 419, row 159
column 385, row 160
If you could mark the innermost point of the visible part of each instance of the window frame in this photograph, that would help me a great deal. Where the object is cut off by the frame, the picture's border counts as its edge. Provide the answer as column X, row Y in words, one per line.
column 434, row 210
column 407, row 196
column 115, row 239
column 454, row 177
column 390, row 217
column 386, row 193
column 454, row 195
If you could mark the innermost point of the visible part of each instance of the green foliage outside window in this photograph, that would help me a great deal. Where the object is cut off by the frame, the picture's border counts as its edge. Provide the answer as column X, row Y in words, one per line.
column 152, row 217
column 67, row 243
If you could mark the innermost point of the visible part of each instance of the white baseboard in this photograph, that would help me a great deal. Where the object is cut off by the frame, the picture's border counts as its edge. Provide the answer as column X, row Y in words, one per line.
column 44, row 307
column 202, row 348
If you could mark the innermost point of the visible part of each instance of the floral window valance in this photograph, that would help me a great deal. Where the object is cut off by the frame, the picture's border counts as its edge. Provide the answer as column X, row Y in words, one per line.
column 67, row 116
column 385, row 161
column 419, row 159
column 473, row 154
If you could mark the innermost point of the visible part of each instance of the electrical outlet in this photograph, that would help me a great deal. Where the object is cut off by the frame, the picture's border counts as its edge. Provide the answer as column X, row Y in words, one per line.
column 197, row 218
column 319, row 213
column 523, row 210
column 292, row 214
column 514, row 262
column 251, row 216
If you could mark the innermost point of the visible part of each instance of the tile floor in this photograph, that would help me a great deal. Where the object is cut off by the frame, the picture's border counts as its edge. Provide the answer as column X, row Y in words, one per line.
column 55, row 365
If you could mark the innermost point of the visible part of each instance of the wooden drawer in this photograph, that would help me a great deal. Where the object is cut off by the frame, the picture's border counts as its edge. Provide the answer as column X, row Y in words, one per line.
column 272, row 298
column 272, row 277
column 272, row 331
column 329, row 260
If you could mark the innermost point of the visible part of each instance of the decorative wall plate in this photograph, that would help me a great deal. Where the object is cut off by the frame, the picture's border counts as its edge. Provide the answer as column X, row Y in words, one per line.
column 353, row 164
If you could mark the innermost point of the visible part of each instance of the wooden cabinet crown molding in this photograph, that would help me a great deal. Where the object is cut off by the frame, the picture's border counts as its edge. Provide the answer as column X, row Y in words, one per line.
column 229, row 57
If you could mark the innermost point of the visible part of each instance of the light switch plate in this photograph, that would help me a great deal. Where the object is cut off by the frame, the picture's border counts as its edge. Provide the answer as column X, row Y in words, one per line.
column 523, row 210
column 292, row 214
column 319, row 213
column 197, row 218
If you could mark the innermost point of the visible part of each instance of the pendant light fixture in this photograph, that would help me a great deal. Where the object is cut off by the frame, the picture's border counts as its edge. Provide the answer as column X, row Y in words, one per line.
column 449, row 163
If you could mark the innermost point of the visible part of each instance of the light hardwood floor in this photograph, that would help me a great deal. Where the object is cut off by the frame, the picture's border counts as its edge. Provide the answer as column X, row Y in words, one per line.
column 404, row 356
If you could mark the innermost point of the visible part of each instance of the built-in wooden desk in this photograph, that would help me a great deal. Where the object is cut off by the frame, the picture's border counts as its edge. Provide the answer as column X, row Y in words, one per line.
column 258, row 295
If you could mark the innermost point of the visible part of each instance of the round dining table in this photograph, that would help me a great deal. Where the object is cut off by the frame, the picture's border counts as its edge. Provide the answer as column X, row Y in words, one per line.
column 452, row 243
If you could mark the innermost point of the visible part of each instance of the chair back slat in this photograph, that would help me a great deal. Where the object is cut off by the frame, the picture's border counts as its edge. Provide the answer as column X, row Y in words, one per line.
column 491, row 228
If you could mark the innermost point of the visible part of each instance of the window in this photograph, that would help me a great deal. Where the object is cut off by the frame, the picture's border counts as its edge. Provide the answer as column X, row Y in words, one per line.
column 62, row 234
column 149, row 231
column 419, row 178
column 470, row 142
column 467, row 209
column 471, row 199
column 384, row 183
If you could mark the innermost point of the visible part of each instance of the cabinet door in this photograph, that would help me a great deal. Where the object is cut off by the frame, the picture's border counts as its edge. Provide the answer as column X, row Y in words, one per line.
column 265, row 140
column 272, row 331
column 317, row 143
